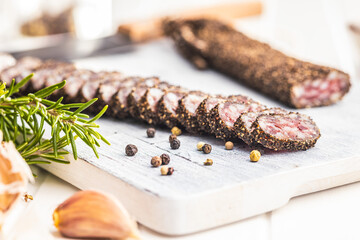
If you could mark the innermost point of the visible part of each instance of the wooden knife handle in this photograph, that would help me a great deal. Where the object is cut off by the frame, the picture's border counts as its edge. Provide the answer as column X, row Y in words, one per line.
column 150, row 29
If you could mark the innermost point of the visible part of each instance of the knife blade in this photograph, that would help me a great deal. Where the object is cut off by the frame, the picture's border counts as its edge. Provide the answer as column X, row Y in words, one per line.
column 68, row 47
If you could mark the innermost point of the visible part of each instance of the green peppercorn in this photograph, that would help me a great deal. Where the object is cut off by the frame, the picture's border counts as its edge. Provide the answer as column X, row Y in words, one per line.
column 208, row 162
column 166, row 170
column 255, row 155
column 176, row 131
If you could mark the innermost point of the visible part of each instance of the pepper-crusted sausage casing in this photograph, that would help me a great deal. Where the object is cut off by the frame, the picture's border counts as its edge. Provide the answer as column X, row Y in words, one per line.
column 294, row 82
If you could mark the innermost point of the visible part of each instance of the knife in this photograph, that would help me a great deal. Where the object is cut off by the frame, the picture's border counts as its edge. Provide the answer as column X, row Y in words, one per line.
column 68, row 47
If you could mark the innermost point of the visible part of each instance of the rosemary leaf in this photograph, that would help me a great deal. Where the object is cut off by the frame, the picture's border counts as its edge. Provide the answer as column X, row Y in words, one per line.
column 38, row 162
column 55, row 104
column 45, row 92
column 21, row 83
column 84, row 106
column 11, row 89
column 24, row 119
column 73, row 145
column 99, row 114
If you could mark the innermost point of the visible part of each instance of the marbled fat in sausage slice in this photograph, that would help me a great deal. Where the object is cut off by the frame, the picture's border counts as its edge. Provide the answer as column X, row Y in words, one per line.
column 119, row 102
column 74, row 82
column 187, row 110
column 168, row 105
column 204, row 109
column 240, row 99
column 107, row 87
column 21, row 69
column 48, row 71
column 243, row 125
column 291, row 131
column 137, row 93
column 150, row 102
column 111, row 85
column 225, row 114
column 148, row 105
column 59, row 74
column 324, row 90
column 89, row 89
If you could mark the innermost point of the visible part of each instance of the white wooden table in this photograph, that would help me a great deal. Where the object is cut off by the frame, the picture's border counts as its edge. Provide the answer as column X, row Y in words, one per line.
column 302, row 27
column 330, row 214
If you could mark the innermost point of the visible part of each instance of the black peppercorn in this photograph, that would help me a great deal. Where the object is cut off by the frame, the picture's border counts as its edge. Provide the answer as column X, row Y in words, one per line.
column 175, row 144
column 165, row 159
column 207, row 148
column 172, row 137
column 131, row 150
column 170, row 171
column 150, row 132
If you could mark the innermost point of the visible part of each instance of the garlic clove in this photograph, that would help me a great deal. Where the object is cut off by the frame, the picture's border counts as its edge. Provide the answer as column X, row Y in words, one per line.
column 92, row 214
column 14, row 176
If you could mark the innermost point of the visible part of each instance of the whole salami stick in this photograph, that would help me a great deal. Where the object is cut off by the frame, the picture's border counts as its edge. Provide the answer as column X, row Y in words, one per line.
column 294, row 82
column 157, row 102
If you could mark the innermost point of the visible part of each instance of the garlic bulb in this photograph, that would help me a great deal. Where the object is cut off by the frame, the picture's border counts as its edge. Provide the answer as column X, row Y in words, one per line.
column 92, row 214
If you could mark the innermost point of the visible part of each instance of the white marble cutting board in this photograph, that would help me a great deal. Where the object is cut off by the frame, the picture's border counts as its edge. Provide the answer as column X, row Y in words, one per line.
column 198, row 197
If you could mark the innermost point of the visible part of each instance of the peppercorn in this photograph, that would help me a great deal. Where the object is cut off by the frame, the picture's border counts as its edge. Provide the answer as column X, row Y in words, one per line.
column 207, row 148
column 165, row 159
column 176, row 131
column 175, row 144
column 172, row 137
column 131, row 150
column 156, row 161
column 229, row 145
column 199, row 146
column 255, row 155
column 27, row 197
column 164, row 170
column 170, row 171
column 150, row 132
column 208, row 162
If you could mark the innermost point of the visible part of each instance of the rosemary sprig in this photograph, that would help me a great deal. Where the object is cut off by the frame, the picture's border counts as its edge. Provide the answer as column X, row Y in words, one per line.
column 23, row 120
